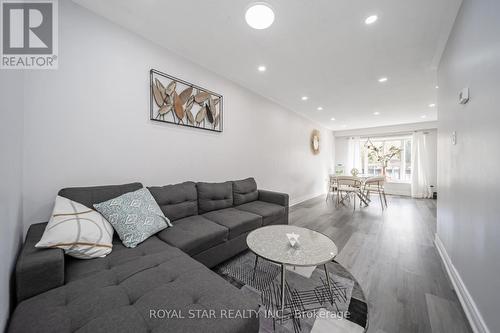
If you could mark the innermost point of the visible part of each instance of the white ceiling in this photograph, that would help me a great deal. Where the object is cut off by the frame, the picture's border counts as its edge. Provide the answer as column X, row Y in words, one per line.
column 318, row 48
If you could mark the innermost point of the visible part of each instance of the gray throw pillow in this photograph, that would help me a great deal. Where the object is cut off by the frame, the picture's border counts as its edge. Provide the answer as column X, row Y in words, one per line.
column 135, row 216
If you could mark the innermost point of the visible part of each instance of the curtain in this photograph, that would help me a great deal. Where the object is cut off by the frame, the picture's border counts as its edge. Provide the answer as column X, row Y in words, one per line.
column 420, row 166
column 353, row 154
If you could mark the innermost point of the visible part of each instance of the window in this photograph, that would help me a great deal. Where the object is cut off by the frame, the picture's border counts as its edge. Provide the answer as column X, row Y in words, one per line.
column 398, row 167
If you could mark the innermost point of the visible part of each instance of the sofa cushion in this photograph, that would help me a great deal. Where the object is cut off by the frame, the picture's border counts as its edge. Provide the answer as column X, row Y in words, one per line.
column 194, row 234
column 213, row 196
column 122, row 293
column 237, row 221
column 121, row 256
column 89, row 196
column 270, row 212
column 176, row 201
column 244, row 191
column 77, row 229
column 135, row 216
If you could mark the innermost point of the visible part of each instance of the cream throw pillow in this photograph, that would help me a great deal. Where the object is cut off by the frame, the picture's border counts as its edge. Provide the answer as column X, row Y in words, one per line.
column 80, row 231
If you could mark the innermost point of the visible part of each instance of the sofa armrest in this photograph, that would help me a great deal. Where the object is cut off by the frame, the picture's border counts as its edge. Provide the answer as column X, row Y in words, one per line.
column 274, row 197
column 37, row 270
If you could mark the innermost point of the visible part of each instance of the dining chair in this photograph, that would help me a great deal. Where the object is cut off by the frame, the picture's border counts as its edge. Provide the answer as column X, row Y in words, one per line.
column 376, row 184
column 348, row 186
column 332, row 186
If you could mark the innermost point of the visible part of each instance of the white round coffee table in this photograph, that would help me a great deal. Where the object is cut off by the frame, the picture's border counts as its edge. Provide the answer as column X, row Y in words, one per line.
column 271, row 243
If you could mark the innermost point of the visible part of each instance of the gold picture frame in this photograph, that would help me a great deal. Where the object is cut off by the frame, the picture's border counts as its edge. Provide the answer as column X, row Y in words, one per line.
column 315, row 142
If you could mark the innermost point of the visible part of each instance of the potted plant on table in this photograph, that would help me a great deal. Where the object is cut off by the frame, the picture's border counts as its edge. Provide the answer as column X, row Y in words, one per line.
column 383, row 157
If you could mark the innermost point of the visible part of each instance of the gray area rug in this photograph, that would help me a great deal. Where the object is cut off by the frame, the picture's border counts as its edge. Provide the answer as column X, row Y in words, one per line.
column 310, row 306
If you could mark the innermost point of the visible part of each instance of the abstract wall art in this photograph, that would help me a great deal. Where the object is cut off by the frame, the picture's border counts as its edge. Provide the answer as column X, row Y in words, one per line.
column 182, row 103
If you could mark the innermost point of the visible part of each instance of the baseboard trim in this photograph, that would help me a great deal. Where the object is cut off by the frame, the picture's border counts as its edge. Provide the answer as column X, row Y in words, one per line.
column 401, row 193
column 476, row 321
column 305, row 198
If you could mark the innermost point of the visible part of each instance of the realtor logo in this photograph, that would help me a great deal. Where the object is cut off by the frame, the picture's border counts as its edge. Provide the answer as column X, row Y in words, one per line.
column 29, row 34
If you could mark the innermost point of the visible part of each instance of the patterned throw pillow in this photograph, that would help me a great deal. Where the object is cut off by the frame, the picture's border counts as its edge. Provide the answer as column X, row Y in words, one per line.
column 80, row 231
column 135, row 216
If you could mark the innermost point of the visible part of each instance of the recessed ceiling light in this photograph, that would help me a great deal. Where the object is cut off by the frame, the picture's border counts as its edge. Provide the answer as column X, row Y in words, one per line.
column 432, row 105
column 437, row 87
column 344, row 126
column 376, row 113
column 304, row 98
column 319, row 108
column 262, row 68
column 259, row 16
column 332, row 119
column 371, row 19
column 382, row 79
column 423, row 116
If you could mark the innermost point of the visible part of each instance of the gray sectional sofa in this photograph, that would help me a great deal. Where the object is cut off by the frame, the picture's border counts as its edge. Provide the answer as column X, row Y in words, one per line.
column 128, row 290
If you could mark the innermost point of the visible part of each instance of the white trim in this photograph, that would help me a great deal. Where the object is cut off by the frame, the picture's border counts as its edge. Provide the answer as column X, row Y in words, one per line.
column 305, row 198
column 396, row 192
column 402, row 129
column 476, row 321
column 396, row 181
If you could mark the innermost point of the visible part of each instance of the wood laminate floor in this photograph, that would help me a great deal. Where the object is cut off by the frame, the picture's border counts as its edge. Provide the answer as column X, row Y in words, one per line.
column 393, row 257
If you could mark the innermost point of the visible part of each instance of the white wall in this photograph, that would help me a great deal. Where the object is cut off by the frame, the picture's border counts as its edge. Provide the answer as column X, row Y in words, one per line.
column 11, row 130
column 431, row 144
column 87, row 123
column 397, row 188
column 468, row 174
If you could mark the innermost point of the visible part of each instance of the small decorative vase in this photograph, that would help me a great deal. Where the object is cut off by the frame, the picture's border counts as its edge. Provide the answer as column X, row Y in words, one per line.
column 293, row 239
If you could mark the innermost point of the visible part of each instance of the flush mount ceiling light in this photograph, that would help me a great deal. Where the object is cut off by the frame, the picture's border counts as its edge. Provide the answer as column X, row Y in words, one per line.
column 261, row 68
column 319, row 108
column 423, row 116
column 382, row 79
column 332, row 119
column 371, row 19
column 432, row 105
column 376, row 113
column 304, row 98
column 259, row 15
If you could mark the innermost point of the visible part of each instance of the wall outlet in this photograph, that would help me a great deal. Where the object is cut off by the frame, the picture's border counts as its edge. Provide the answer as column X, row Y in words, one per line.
column 454, row 137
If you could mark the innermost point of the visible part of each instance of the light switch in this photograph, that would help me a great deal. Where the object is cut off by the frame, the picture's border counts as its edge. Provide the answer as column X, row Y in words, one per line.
column 454, row 137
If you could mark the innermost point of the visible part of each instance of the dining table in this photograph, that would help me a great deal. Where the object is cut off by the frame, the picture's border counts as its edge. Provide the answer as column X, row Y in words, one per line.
column 360, row 193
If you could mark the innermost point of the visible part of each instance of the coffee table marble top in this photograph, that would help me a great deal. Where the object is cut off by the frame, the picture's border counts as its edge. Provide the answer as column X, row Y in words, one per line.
column 271, row 243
